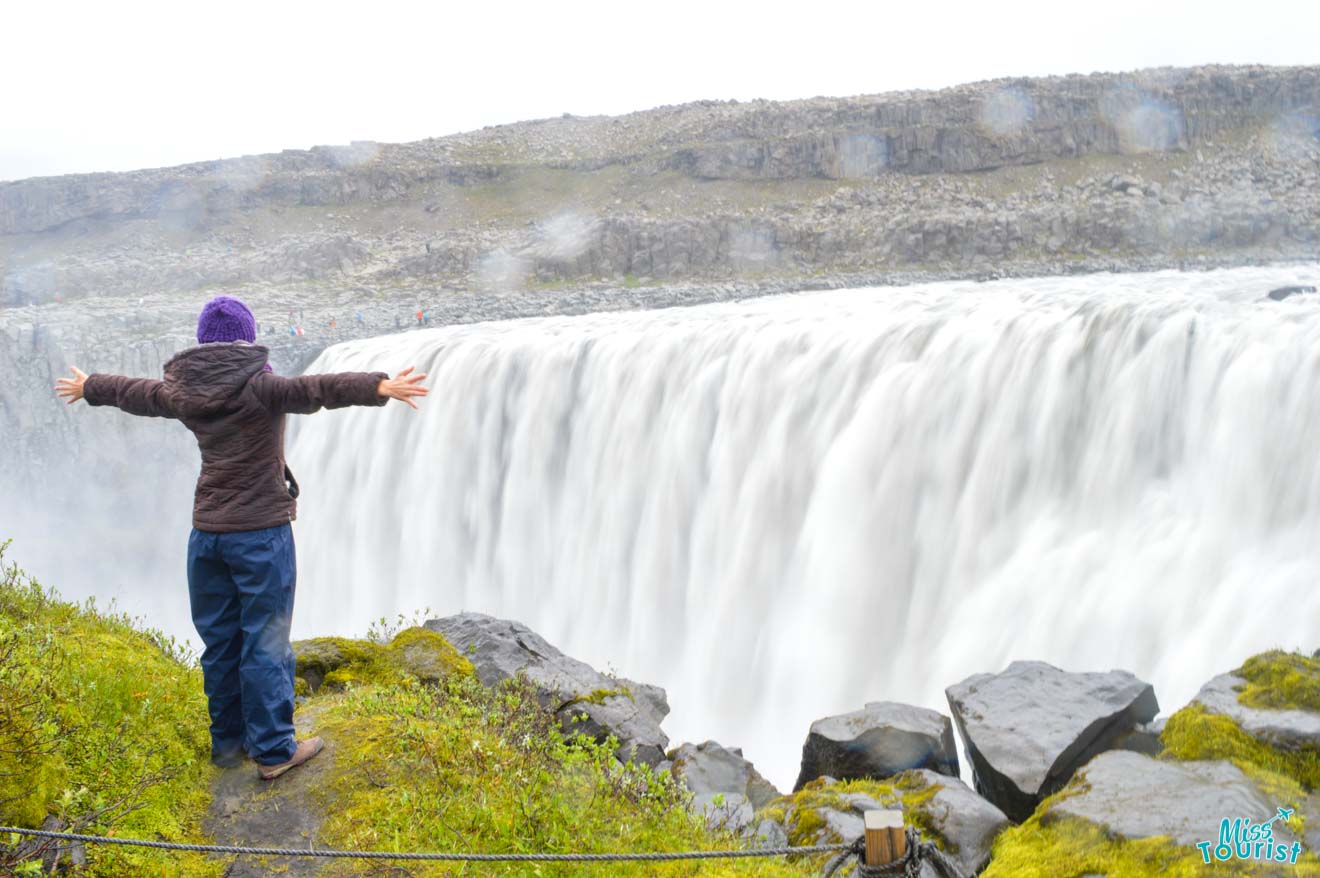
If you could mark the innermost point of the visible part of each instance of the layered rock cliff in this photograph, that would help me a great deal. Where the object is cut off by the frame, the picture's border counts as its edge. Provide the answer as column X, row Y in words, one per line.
column 1164, row 164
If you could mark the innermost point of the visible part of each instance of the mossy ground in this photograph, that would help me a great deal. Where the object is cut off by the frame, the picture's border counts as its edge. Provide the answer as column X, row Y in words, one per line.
column 458, row 767
column 102, row 724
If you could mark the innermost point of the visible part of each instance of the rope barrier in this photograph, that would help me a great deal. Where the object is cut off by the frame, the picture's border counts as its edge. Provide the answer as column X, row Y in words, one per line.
column 385, row 855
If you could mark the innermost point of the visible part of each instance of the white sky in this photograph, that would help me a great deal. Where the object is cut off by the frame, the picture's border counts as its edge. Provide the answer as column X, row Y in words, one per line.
column 119, row 85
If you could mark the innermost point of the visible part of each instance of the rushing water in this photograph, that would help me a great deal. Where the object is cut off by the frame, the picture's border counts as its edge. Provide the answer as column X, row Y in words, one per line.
column 786, row 507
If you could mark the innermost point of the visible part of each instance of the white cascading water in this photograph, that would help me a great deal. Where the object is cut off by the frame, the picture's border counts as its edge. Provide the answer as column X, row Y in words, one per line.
column 786, row 507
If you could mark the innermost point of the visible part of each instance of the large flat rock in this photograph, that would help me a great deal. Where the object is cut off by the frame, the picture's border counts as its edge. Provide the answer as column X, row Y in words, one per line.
column 1134, row 796
column 1028, row 729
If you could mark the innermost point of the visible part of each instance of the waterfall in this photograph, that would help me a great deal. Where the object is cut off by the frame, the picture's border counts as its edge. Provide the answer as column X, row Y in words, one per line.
column 786, row 507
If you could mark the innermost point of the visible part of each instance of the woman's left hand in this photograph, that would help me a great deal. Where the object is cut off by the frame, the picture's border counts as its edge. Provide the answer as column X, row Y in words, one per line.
column 71, row 388
column 403, row 386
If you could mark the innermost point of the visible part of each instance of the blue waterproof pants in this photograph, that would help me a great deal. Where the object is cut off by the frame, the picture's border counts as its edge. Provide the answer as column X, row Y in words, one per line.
column 241, row 588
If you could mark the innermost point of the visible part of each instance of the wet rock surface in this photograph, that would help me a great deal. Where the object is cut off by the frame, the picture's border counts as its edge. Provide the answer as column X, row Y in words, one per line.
column 1029, row 728
column 882, row 739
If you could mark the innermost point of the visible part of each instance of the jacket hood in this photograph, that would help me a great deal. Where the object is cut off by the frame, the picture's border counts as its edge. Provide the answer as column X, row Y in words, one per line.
column 208, row 380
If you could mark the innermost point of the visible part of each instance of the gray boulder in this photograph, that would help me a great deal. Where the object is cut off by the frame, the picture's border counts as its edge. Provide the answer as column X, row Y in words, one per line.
column 585, row 700
column 966, row 822
column 880, row 740
column 1134, row 796
column 1028, row 729
column 726, row 788
column 1282, row 729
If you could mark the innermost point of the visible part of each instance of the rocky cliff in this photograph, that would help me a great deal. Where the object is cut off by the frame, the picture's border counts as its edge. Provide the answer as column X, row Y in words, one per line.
column 1167, row 164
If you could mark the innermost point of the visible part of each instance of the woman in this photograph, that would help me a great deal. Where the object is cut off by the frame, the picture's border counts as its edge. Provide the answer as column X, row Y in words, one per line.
column 241, row 566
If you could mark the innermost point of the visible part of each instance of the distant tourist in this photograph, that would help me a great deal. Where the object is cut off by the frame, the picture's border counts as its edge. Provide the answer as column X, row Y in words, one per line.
column 241, row 568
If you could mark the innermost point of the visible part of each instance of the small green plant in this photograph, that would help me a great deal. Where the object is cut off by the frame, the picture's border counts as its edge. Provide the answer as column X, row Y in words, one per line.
column 383, row 631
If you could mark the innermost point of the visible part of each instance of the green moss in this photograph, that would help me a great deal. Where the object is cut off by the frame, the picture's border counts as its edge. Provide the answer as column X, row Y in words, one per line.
column 800, row 813
column 457, row 766
column 102, row 724
column 596, row 696
column 1195, row 733
column 807, row 826
column 428, row 655
column 336, row 662
column 1067, row 847
column 320, row 656
column 1280, row 680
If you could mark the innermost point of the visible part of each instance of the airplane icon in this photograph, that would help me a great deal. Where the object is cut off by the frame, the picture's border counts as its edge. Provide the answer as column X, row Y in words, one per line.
column 1284, row 814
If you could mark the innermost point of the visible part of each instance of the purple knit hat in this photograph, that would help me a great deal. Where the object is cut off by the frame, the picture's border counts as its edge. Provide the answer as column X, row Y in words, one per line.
column 226, row 319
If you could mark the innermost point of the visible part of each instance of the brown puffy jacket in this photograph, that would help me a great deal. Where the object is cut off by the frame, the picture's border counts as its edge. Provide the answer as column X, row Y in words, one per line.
column 236, row 410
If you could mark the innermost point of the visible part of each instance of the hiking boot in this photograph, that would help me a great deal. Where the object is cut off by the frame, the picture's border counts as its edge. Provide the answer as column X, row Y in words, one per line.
column 306, row 750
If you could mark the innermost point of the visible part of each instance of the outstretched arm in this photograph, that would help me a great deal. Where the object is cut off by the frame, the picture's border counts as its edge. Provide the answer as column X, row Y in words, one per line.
column 137, row 396
column 310, row 393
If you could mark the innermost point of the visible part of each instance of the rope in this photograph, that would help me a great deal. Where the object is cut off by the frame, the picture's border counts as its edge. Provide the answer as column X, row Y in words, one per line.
column 385, row 855
column 918, row 852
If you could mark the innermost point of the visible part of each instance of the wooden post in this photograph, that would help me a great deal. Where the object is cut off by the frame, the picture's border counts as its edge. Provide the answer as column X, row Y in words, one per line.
column 886, row 840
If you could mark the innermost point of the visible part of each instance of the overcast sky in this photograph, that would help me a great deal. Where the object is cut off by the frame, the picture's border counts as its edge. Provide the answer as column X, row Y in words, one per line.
column 114, row 86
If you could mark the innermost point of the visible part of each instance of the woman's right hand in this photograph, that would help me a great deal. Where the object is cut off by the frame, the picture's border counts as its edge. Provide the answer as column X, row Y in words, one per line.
column 71, row 388
column 403, row 386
